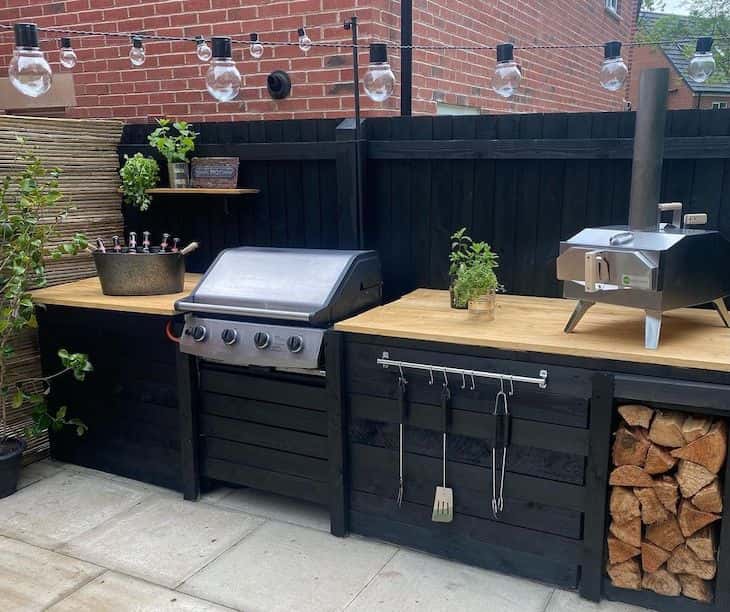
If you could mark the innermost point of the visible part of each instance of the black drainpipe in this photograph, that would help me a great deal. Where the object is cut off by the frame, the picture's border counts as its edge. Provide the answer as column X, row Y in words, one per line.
column 406, row 57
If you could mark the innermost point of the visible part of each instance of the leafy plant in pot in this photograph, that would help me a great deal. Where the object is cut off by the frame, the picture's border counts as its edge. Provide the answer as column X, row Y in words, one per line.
column 474, row 282
column 139, row 173
column 174, row 148
column 27, row 200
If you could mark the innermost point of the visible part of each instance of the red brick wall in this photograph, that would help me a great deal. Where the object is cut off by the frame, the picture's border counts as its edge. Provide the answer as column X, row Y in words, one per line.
column 171, row 80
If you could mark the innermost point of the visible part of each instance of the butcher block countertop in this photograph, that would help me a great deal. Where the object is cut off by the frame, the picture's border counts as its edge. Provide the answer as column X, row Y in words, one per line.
column 690, row 338
column 87, row 293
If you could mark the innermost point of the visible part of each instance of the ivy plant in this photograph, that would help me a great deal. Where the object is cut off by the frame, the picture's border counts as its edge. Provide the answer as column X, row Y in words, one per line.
column 31, row 208
column 139, row 173
column 472, row 267
column 173, row 147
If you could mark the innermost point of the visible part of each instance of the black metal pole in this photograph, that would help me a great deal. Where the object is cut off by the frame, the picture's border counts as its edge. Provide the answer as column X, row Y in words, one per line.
column 406, row 57
column 352, row 26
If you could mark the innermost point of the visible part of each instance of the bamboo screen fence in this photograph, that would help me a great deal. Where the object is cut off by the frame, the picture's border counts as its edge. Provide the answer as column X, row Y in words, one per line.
column 85, row 151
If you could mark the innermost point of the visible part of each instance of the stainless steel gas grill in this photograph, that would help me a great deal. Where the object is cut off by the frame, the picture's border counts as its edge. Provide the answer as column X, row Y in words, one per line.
column 648, row 264
column 270, row 307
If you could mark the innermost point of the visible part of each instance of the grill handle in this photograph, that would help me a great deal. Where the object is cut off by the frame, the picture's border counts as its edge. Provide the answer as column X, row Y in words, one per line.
column 290, row 315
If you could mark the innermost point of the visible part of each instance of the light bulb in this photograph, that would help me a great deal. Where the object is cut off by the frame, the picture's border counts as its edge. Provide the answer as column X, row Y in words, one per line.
column 203, row 51
column 29, row 71
column 702, row 64
column 223, row 80
column 136, row 53
column 67, row 56
column 379, row 81
column 305, row 43
column 613, row 69
column 256, row 49
column 507, row 75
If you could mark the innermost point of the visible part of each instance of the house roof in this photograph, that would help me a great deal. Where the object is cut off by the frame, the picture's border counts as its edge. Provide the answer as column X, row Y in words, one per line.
column 680, row 62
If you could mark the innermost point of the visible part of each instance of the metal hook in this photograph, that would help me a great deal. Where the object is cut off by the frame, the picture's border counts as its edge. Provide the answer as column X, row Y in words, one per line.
column 446, row 378
column 473, row 384
column 511, row 386
column 400, row 369
column 463, row 379
column 501, row 385
column 430, row 373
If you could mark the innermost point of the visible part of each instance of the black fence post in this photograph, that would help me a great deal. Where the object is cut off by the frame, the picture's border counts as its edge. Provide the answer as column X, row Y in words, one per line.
column 187, row 393
column 351, row 166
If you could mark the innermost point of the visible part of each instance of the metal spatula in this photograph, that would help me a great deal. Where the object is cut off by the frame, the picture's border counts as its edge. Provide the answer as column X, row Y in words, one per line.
column 403, row 405
column 443, row 501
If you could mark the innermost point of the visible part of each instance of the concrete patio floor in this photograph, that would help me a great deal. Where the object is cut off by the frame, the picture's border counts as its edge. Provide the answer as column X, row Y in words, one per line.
column 74, row 539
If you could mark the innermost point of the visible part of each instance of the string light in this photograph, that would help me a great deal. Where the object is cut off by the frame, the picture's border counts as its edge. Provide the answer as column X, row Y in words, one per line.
column 202, row 49
column 305, row 43
column 223, row 80
column 29, row 72
column 507, row 75
column 256, row 48
column 613, row 69
column 702, row 64
column 379, row 81
column 136, row 53
column 67, row 56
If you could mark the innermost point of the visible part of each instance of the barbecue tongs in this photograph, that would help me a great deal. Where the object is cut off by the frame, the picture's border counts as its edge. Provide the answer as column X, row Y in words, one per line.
column 403, row 408
column 501, row 437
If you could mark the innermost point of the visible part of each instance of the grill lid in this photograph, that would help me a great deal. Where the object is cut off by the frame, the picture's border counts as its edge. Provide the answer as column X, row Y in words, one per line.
column 313, row 285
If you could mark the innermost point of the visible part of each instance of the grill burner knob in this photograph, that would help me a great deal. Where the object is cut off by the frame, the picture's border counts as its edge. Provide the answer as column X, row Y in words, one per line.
column 261, row 340
column 199, row 333
column 295, row 344
column 229, row 336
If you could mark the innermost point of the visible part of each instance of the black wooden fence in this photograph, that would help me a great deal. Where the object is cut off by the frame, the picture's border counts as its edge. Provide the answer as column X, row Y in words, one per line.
column 520, row 182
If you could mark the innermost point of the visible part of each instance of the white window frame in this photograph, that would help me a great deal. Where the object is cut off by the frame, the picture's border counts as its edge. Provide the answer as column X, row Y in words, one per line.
column 719, row 105
column 612, row 5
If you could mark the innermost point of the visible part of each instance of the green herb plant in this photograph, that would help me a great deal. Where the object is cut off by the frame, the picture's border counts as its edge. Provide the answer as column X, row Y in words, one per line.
column 139, row 173
column 28, row 200
column 472, row 268
column 174, row 148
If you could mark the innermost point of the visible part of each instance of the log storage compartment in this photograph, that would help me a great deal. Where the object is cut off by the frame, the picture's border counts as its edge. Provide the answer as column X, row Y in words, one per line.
column 666, row 501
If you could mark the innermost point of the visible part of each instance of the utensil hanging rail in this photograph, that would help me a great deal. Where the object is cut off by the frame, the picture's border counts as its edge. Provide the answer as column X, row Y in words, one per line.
column 540, row 381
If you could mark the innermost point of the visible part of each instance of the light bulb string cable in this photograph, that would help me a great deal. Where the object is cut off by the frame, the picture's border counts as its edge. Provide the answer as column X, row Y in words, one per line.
column 364, row 46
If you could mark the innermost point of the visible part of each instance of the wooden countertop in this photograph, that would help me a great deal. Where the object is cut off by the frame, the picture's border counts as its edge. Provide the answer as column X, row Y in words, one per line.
column 690, row 338
column 87, row 293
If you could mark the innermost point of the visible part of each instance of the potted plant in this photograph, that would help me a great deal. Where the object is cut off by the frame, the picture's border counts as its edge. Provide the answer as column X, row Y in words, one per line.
column 174, row 148
column 475, row 281
column 26, row 201
column 139, row 173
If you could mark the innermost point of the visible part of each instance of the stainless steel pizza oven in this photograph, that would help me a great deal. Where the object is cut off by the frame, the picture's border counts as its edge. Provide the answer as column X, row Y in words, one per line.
column 647, row 264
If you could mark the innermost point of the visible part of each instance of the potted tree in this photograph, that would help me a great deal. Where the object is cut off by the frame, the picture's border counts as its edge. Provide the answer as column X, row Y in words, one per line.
column 139, row 173
column 26, row 201
column 174, row 148
column 474, row 283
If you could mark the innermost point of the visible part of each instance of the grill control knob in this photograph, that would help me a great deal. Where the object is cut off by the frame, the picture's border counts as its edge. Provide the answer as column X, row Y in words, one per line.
column 295, row 344
column 229, row 336
column 199, row 333
column 261, row 340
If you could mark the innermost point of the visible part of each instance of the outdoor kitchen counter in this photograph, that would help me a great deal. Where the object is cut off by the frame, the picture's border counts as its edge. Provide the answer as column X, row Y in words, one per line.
column 690, row 338
column 86, row 293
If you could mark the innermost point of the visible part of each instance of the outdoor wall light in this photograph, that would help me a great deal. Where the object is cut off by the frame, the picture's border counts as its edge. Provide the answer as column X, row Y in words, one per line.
column 305, row 43
column 256, row 49
column 613, row 69
column 29, row 71
column 507, row 75
column 379, row 81
column 67, row 56
column 202, row 50
column 702, row 64
column 136, row 53
column 223, row 80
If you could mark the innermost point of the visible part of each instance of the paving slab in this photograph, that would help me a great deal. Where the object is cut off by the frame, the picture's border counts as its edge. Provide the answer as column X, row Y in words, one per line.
column 33, row 472
column 57, row 509
column 32, row 578
column 114, row 592
column 416, row 581
column 285, row 509
column 283, row 567
column 163, row 539
column 565, row 601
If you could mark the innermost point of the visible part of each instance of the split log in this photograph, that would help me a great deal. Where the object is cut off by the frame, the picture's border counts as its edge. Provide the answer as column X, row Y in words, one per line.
column 658, row 460
column 652, row 557
column 691, row 520
column 626, row 575
column 630, row 447
column 652, row 510
column 662, row 583
column 692, row 477
column 631, row 476
column 666, row 429
column 709, row 451
column 695, row 427
column 696, row 588
column 629, row 532
column 667, row 490
column 619, row 551
column 703, row 544
column 709, row 499
column 666, row 535
column 624, row 505
column 684, row 561
column 636, row 415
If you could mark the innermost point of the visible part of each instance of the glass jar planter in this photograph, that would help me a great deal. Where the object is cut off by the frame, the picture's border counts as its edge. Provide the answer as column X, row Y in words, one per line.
column 484, row 306
column 452, row 295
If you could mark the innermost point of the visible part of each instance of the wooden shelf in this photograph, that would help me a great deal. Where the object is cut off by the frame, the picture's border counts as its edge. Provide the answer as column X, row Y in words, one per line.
column 200, row 191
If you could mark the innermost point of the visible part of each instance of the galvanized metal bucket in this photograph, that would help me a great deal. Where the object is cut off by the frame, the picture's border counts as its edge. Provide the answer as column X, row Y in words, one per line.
column 140, row 273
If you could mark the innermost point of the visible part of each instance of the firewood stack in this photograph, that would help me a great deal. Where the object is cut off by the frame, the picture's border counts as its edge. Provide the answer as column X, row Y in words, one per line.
column 666, row 501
